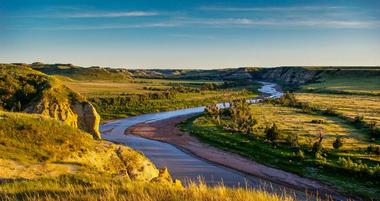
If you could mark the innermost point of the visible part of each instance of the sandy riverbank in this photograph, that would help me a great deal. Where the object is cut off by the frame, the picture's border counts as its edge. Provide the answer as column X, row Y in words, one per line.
column 166, row 131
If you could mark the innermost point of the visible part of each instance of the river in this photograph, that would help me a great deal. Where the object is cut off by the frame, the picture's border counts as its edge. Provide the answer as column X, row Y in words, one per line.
column 183, row 165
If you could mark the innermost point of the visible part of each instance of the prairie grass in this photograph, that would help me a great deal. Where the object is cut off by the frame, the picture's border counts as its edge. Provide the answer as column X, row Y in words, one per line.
column 33, row 146
column 292, row 121
column 74, row 187
column 360, row 82
column 348, row 105
column 341, row 167
column 106, row 88
column 123, row 99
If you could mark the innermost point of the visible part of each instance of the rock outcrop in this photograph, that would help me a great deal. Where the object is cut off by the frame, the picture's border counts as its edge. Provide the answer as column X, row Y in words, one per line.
column 27, row 90
column 88, row 118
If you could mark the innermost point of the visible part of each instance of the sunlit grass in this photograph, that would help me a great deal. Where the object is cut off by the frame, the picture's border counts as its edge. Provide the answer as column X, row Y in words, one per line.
column 106, row 88
column 295, row 122
column 348, row 105
column 80, row 187
column 292, row 121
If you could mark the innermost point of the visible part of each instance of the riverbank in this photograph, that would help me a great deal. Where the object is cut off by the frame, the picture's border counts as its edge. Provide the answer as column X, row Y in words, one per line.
column 166, row 131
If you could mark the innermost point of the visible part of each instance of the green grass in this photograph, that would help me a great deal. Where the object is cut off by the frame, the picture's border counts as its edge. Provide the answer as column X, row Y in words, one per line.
column 104, row 88
column 291, row 122
column 80, row 73
column 120, row 99
column 179, row 101
column 347, row 82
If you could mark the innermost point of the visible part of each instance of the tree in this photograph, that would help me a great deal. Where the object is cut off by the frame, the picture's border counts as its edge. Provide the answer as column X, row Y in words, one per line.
column 317, row 146
column 272, row 133
column 338, row 143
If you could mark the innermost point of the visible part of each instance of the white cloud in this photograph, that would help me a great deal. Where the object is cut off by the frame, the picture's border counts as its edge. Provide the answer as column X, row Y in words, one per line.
column 108, row 14
column 94, row 14
column 270, row 9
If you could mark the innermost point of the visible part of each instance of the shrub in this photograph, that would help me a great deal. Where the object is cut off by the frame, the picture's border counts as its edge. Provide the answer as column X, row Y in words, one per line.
column 317, row 121
column 373, row 149
column 272, row 133
column 212, row 110
column 317, row 146
column 338, row 143
column 288, row 99
column 320, row 159
column 330, row 112
column 306, row 108
column 374, row 131
column 300, row 154
column 347, row 163
column 359, row 121
column 292, row 140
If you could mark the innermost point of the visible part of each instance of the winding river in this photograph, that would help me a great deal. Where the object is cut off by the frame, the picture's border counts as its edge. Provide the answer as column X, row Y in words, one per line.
column 183, row 165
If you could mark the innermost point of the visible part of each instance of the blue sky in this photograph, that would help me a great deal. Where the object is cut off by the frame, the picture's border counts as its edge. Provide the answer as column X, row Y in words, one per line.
column 190, row 34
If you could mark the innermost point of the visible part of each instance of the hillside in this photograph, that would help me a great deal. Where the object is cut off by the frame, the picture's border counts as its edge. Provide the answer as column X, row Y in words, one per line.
column 27, row 90
column 34, row 146
column 44, row 159
column 296, row 76
column 80, row 73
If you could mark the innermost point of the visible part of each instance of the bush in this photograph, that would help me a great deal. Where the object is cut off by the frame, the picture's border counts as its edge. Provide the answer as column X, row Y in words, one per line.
column 272, row 133
column 373, row 149
column 317, row 146
column 359, row 121
column 320, row 159
column 347, row 163
column 317, row 121
column 306, row 108
column 212, row 110
column 292, row 140
column 288, row 99
column 330, row 112
column 374, row 131
column 338, row 143
column 300, row 154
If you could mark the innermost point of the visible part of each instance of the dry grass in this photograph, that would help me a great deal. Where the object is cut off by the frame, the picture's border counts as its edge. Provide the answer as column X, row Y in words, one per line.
column 101, row 188
column 348, row 105
column 33, row 146
column 102, row 88
column 292, row 121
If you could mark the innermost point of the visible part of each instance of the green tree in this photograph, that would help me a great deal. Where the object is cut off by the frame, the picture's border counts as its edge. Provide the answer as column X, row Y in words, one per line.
column 272, row 133
column 338, row 143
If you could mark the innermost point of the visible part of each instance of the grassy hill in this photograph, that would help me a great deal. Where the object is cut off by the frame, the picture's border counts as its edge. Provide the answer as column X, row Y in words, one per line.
column 44, row 159
column 34, row 146
column 27, row 90
column 81, row 73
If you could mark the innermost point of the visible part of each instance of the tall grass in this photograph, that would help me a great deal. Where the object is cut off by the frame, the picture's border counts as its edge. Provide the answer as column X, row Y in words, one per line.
column 100, row 188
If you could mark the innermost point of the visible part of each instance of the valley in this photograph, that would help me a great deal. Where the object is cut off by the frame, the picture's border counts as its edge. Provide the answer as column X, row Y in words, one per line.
column 290, row 145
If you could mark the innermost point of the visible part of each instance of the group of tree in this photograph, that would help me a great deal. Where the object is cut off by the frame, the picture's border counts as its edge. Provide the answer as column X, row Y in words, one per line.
column 237, row 117
column 17, row 89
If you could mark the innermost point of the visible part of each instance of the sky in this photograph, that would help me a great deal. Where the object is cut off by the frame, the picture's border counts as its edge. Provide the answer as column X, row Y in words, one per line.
column 192, row 33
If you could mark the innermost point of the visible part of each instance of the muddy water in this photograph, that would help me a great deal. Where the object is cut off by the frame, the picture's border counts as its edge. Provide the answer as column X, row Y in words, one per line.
column 185, row 166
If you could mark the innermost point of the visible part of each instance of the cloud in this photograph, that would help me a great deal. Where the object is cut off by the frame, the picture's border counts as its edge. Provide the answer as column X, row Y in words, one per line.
column 226, row 23
column 317, row 23
column 108, row 14
column 83, row 14
column 106, row 26
column 270, row 9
